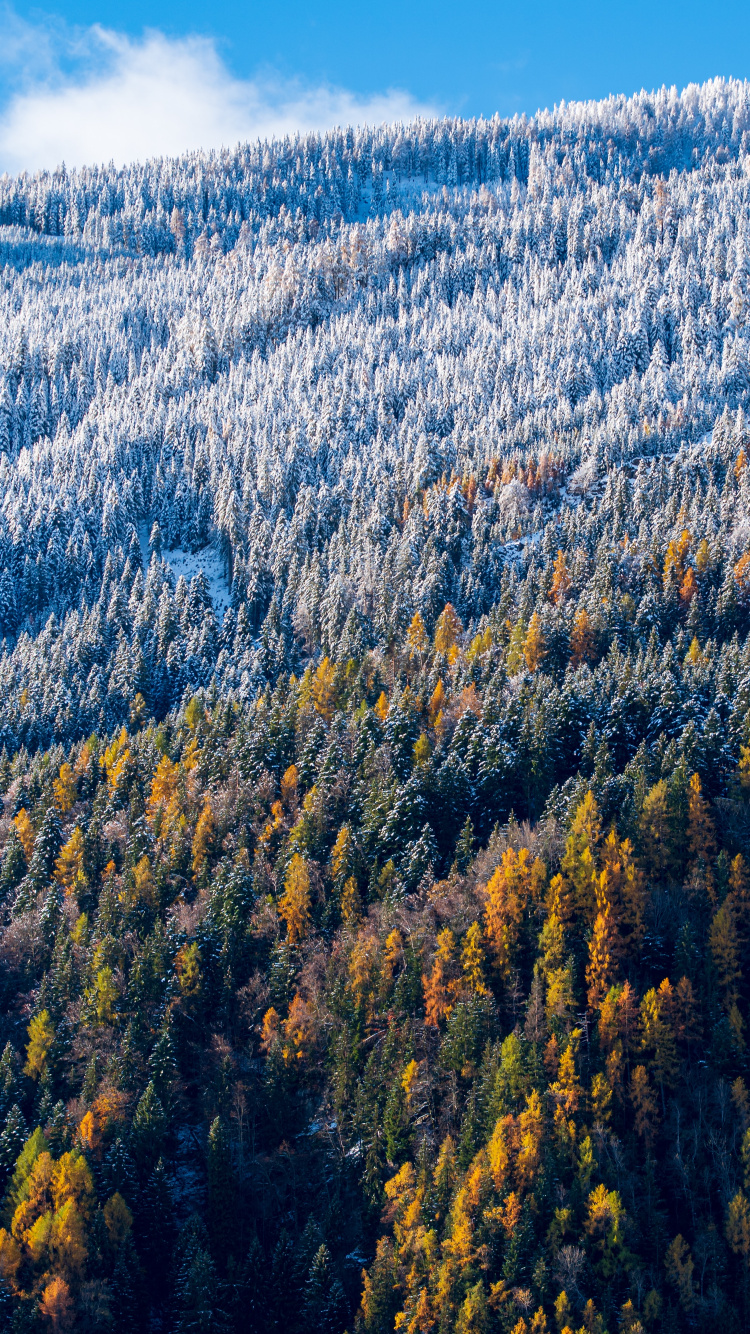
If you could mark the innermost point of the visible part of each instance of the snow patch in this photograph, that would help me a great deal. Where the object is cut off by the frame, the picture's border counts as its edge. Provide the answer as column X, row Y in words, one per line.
column 188, row 563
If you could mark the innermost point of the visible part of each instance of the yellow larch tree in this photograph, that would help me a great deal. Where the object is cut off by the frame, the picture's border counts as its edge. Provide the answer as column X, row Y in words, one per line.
column 323, row 689
column 473, row 960
column 204, row 837
column 447, row 630
column 674, row 561
column 65, row 789
column 116, row 757
column 582, row 639
column 438, row 992
column 25, row 831
column 436, row 704
column 701, row 832
column 514, row 886
column 294, row 904
column 534, row 648
column 579, row 858
column 342, row 855
column 560, row 579
column 41, row 1034
column 381, row 707
column 163, row 788
column 69, row 865
column 417, row 639
column 145, row 885
column 289, row 785
column 601, row 968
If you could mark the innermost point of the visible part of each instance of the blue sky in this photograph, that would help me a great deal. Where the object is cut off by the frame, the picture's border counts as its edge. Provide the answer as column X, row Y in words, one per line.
column 90, row 79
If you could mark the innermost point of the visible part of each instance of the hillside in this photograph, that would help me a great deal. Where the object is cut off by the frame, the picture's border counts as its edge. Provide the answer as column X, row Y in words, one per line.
column 375, row 746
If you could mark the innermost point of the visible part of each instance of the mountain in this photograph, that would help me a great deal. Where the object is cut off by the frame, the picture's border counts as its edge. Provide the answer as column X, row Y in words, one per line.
column 375, row 741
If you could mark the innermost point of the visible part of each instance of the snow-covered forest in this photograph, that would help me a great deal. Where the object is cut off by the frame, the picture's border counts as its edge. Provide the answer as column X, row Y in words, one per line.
column 362, row 496
column 371, row 360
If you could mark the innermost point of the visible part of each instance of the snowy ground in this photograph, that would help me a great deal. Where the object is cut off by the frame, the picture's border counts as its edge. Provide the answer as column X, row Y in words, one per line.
column 188, row 563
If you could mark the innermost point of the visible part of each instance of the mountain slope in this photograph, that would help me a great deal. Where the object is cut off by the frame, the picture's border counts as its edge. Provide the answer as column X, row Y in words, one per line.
column 375, row 591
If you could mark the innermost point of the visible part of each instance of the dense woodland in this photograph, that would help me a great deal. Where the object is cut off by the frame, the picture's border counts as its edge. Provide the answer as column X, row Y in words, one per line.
column 375, row 956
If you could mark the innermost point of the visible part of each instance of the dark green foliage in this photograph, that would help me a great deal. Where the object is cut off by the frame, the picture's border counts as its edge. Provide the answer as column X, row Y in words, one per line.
column 155, row 1228
column 12, row 1140
column 221, row 1216
column 13, row 867
column 147, row 1131
column 198, row 1301
column 324, row 1308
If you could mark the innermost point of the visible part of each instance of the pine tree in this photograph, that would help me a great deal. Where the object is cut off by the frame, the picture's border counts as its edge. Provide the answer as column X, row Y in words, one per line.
column 197, row 1304
column 147, row 1131
column 221, row 1215
column 324, row 1300
column 12, row 1140
column 14, row 865
column 155, row 1226
column 47, row 847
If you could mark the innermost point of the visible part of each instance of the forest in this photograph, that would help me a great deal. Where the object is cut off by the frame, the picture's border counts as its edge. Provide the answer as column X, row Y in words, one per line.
column 375, row 735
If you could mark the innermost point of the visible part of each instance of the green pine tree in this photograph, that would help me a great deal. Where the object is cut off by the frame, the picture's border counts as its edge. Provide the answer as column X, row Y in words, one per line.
column 222, row 1208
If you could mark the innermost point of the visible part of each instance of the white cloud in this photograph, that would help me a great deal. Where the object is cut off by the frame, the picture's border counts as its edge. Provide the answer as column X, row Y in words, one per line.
column 126, row 99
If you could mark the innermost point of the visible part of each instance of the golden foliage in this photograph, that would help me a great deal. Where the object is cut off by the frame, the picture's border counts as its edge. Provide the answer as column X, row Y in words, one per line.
column 342, row 854
column 678, row 1263
column 188, row 969
column 473, row 961
column 582, row 639
column 25, row 831
column 437, row 702
column 56, row 1305
column 737, row 1227
column 203, row 839
column 447, row 630
column 294, row 904
column 579, row 859
column 674, row 561
column 323, row 689
column 299, row 1029
column 361, row 969
column 10, row 1257
column 65, row 789
column 145, row 885
column 351, row 904
column 381, row 707
column 438, row 991
column 69, row 865
column 116, row 758
column 417, row 640
column 514, row 886
column 289, row 783
column 701, row 831
column 41, row 1034
column 163, row 788
column 534, row 647
column 560, row 579
column 118, row 1219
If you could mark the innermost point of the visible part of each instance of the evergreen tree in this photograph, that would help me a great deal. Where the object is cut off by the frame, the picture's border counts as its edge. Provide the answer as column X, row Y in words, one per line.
column 222, row 1210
